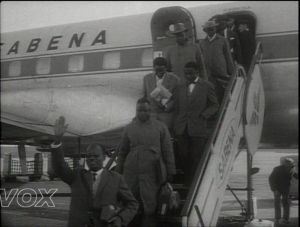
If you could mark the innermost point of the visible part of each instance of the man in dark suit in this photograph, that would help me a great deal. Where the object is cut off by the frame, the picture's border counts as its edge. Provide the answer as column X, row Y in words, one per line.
column 231, row 23
column 95, row 193
column 280, row 183
column 231, row 36
column 195, row 102
column 159, row 87
column 247, row 41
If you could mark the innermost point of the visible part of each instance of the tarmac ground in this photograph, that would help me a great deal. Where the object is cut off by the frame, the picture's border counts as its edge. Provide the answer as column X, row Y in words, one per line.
column 16, row 214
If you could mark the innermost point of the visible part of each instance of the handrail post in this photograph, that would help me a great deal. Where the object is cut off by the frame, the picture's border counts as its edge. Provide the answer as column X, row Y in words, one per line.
column 113, row 157
column 199, row 216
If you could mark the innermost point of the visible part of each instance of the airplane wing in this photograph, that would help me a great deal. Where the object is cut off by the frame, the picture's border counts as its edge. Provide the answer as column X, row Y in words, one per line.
column 12, row 134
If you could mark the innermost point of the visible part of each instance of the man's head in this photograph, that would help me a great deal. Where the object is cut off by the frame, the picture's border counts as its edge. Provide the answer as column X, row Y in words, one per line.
column 222, row 21
column 243, row 25
column 210, row 27
column 191, row 71
column 143, row 109
column 230, row 20
column 289, row 164
column 180, row 33
column 95, row 155
column 160, row 66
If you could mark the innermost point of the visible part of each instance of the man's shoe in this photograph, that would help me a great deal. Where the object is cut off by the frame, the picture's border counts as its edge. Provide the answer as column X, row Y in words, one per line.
column 285, row 221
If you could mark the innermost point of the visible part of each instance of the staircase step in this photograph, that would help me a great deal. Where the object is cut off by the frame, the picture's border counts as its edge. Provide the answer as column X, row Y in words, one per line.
column 166, row 221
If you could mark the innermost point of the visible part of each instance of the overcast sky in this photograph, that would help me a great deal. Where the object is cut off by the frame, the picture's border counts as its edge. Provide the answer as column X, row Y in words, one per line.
column 20, row 15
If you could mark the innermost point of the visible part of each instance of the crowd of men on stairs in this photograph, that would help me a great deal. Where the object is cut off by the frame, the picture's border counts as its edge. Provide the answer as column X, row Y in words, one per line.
column 178, row 98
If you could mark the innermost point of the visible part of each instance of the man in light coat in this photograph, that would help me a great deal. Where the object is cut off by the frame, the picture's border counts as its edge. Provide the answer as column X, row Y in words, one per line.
column 162, row 105
column 94, row 192
column 231, row 36
column 217, row 57
column 183, row 52
column 145, row 150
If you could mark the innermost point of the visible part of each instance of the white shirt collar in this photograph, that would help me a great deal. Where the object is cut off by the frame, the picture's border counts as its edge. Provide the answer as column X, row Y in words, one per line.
column 159, row 79
column 98, row 172
column 192, row 86
column 212, row 38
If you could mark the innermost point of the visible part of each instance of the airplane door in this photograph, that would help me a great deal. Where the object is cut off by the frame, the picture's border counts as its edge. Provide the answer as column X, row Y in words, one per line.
column 161, row 26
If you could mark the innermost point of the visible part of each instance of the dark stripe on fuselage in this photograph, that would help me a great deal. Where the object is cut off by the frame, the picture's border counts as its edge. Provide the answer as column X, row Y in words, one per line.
column 281, row 46
column 275, row 46
column 93, row 62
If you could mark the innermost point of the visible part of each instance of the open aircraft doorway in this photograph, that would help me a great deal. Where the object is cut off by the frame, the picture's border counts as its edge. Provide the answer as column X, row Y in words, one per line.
column 162, row 24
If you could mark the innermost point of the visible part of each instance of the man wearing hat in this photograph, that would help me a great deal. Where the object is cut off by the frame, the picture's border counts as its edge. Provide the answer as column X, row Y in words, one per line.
column 217, row 58
column 280, row 183
column 247, row 41
column 230, row 23
column 183, row 52
column 231, row 36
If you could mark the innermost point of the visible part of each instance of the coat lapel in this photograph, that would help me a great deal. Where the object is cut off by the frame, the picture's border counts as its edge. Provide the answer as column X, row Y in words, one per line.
column 88, row 181
column 166, row 81
column 103, row 181
column 197, row 89
column 153, row 82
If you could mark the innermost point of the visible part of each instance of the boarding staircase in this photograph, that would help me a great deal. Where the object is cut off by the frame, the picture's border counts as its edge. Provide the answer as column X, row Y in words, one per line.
column 202, row 200
column 202, row 197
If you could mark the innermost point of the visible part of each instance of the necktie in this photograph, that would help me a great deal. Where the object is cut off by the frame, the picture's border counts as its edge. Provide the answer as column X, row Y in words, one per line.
column 94, row 176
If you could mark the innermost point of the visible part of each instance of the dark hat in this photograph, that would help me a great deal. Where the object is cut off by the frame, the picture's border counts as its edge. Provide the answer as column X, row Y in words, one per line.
column 229, row 16
column 209, row 24
column 219, row 17
column 179, row 27
column 289, row 160
column 243, row 22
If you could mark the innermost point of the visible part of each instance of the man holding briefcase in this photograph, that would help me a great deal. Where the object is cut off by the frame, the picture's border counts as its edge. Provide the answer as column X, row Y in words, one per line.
column 146, row 161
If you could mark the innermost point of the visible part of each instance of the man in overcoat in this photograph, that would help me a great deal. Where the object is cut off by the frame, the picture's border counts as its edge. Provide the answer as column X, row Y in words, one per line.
column 195, row 102
column 145, row 150
column 217, row 57
column 162, row 107
column 231, row 36
column 280, row 183
column 95, row 193
column 182, row 52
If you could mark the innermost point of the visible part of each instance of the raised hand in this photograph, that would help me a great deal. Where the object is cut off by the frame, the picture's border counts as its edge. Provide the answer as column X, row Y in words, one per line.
column 60, row 127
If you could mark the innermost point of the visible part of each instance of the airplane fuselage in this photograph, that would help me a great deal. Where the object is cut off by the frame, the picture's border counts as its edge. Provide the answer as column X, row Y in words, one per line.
column 92, row 72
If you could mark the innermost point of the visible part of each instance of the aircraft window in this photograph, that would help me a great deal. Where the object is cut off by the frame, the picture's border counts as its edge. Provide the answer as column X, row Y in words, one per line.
column 75, row 63
column 111, row 60
column 14, row 68
column 147, row 57
column 43, row 66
